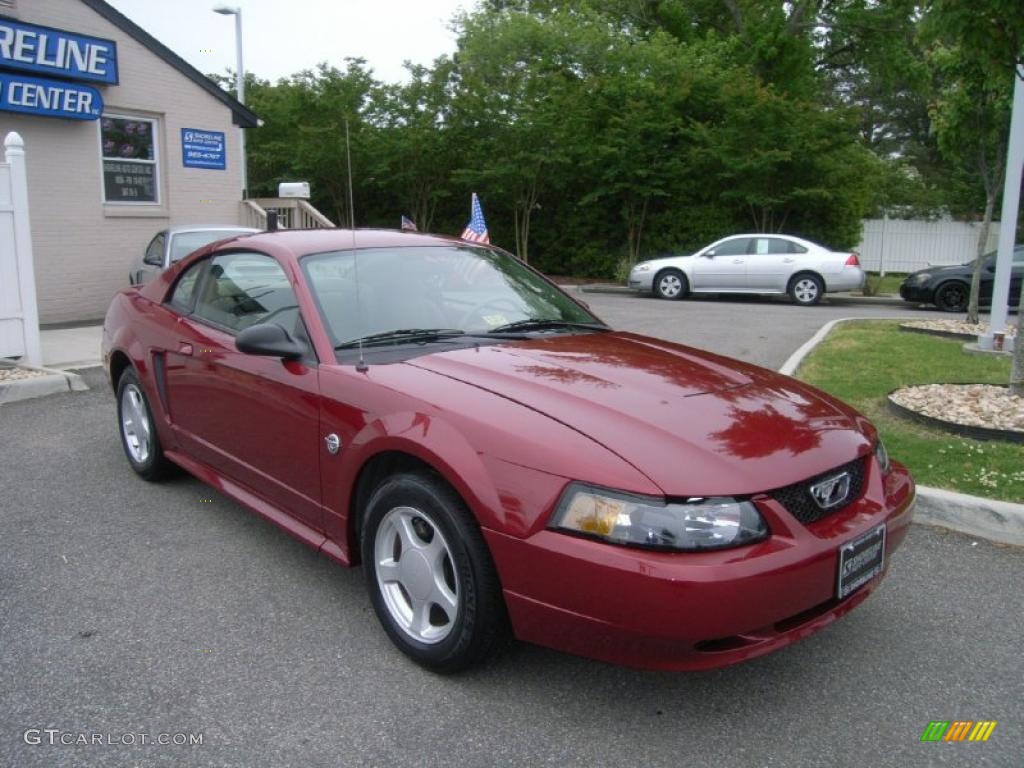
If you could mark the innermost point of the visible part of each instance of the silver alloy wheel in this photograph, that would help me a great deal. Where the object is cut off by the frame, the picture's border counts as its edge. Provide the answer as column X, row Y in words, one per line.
column 135, row 424
column 416, row 575
column 670, row 285
column 805, row 290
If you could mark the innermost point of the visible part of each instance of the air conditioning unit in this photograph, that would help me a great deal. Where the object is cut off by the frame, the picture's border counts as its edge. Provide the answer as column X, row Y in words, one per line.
column 293, row 189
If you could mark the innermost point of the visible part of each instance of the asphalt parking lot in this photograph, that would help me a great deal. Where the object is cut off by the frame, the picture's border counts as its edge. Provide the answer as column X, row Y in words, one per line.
column 130, row 608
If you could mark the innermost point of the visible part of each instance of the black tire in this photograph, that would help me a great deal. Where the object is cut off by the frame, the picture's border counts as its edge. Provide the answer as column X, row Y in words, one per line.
column 671, row 284
column 952, row 297
column 150, row 464
column 806, row 289
column 423, row 505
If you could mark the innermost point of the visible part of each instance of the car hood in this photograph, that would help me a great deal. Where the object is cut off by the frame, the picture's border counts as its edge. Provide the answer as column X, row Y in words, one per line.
column 695, row 423
column 950, row 269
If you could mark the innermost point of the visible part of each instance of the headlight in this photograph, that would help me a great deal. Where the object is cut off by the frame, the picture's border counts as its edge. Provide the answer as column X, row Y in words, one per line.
column 921, row 278
column 643, row 521
column 642, row 268
column 882, row 457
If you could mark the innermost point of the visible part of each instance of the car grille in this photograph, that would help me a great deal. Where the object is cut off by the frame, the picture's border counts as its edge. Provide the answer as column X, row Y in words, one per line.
column 798, row 501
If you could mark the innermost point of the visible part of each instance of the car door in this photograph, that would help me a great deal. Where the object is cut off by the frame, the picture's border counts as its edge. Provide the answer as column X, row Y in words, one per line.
column 722, row 266
column 253, row 419
column 770, row 263
column 152, row 260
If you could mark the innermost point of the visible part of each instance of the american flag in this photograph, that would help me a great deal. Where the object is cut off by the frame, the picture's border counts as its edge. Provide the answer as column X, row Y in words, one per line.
column 408, row 225
column 476, row 229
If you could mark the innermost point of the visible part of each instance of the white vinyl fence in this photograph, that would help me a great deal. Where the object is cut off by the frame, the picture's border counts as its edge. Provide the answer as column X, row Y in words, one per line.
column 897, row 245
column 19, row 317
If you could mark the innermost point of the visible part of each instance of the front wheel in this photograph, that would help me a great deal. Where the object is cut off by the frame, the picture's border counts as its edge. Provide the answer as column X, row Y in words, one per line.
column 952, row 297
column 671, row 284
column 806, row 290
column 430, row 575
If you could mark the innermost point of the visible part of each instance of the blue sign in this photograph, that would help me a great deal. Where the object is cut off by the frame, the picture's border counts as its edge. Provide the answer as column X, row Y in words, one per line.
column 48, row 51
column 49, row 98
column 203, row 149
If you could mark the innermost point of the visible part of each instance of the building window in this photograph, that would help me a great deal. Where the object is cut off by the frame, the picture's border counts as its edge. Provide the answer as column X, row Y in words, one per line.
column 128, row 146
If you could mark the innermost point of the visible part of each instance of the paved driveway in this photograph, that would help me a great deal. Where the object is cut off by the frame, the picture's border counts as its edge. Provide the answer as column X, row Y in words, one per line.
column 759, row 329
column 128, row 608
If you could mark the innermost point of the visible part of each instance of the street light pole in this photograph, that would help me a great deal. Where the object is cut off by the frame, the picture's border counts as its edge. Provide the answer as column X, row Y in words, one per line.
column 230, row 10
column 1008, row 222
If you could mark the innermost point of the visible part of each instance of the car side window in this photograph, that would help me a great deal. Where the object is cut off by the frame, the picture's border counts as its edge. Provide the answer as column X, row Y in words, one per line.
column 243, row 289
column 155, row 251
column 763, row 245
column 185, row 289
column 737, row 246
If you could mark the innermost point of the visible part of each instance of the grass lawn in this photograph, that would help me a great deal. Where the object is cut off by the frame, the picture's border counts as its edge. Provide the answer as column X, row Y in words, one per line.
column 860, row 363
column 888, row 284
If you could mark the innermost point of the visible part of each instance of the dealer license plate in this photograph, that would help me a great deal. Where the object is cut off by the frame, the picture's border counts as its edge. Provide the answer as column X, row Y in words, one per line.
column 861, row 560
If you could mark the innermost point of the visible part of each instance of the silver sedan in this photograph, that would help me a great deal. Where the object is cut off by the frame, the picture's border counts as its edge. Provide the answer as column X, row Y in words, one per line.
column 174, row 244
column 752, row 264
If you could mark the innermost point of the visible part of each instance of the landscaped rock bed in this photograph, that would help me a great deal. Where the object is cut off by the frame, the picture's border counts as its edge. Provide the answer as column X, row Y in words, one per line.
column 953, row 327
column 984, row 406
column 15, row 374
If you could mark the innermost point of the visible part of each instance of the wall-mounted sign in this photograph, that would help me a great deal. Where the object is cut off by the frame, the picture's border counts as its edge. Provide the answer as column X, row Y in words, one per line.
column 48, row 51
column 202, row 149
column 129, row 182
column 49, row 98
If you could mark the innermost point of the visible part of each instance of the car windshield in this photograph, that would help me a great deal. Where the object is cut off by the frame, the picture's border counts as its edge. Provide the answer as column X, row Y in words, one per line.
column 183, row 243
column 434, row 288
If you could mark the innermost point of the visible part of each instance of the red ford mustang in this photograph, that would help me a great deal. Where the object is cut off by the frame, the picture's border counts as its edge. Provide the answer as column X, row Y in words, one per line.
column 498, row 459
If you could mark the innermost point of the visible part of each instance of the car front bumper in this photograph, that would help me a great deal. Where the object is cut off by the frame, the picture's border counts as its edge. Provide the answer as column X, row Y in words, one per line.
column 684, row 611
column 641, row 281
column 922, row 294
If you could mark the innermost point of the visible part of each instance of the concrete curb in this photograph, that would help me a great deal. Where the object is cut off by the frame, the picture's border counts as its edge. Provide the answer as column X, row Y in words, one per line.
column 830, row 298
column 54, row 382
column 999, row 521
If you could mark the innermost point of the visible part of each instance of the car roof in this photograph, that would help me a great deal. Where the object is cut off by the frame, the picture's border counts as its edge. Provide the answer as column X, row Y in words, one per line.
column 305, row 241
column 209, row 228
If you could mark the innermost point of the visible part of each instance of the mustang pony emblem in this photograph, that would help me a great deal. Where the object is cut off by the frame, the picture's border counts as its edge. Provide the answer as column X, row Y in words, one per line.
column 832, row 491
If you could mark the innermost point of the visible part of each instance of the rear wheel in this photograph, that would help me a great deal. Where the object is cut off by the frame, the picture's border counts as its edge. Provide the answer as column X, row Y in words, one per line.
column 139, row 437
column 952, row 297
column 432, row 582
column 671, row 284
column 806, row 289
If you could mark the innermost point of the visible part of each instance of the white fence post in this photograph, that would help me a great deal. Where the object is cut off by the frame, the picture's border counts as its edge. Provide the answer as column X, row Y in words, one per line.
column 14, row 150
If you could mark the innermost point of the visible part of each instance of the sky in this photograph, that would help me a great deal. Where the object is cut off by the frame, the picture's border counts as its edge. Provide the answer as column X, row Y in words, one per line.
column 281, row 37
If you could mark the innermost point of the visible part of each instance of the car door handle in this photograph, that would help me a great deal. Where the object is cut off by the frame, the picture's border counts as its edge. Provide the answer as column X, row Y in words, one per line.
column 788, row 261
column 184, row 348
column 737, row 261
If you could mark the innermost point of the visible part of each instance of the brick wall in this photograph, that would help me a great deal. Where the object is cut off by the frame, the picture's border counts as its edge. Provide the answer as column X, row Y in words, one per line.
column 83, row 247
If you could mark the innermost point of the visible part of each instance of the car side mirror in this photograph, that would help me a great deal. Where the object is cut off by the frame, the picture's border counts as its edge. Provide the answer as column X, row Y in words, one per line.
column 269, row 340
column 710, row 254
column 153, row 261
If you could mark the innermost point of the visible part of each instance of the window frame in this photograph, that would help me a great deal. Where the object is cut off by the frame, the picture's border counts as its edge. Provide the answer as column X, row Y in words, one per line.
column 163, row 250
column 155, row 162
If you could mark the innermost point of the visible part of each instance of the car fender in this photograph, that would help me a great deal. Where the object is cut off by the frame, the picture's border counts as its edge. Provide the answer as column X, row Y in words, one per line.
column 426, row 437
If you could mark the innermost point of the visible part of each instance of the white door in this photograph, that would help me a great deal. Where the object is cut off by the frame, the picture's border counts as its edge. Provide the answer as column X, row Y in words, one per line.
column 722, row 266
column 770, row 263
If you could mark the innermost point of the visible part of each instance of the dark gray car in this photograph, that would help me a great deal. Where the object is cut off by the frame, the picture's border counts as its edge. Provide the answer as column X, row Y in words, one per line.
column 174, row 244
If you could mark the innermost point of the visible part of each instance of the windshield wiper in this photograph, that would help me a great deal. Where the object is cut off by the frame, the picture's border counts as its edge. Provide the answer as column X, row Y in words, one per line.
column 539, row 324
column 404, row 334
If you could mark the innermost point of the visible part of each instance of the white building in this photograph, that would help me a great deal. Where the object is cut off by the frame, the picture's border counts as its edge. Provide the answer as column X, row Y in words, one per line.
column 123, row 138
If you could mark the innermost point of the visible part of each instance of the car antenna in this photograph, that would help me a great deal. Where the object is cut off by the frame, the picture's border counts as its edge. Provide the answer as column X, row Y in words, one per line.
column 361, row 365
